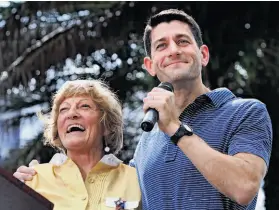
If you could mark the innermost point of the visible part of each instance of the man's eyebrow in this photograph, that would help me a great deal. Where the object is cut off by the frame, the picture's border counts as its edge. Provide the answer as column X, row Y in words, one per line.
column 182, row 35
column 176, row 36
column 159, row 40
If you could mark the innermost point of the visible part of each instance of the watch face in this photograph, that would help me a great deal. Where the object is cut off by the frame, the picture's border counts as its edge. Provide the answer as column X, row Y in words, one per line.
column 188, row 128
column 183, row 130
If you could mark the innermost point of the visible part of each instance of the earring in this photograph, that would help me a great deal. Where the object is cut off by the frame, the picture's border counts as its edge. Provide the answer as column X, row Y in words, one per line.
column 107, row 149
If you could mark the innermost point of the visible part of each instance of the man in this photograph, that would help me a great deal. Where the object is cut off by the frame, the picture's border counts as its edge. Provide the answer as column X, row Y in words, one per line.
column 210, row 149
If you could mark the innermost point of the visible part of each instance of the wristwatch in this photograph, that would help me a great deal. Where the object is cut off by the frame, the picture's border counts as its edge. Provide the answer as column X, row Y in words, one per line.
column 183, row 130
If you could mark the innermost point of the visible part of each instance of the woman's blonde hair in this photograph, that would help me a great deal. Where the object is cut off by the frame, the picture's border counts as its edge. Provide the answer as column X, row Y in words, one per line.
column 106, row 101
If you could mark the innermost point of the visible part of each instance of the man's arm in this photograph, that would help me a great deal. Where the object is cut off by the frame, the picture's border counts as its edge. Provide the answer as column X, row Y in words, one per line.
column 239, row 173
column 238, row 177
column 132, row 162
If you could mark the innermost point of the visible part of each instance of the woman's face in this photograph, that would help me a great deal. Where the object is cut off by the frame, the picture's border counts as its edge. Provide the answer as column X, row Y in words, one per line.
column 78, row 124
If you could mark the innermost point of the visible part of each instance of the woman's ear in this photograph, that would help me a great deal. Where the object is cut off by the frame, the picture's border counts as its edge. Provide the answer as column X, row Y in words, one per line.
column 106, row 132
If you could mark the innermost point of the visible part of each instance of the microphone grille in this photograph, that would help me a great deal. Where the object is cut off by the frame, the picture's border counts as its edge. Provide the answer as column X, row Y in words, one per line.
column 166, row 85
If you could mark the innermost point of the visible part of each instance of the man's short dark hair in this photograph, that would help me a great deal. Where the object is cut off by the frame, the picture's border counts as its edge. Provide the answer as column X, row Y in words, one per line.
column 168, row 16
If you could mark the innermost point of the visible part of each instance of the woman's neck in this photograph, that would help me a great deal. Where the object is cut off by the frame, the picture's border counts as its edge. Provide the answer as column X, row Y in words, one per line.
column 86, row 160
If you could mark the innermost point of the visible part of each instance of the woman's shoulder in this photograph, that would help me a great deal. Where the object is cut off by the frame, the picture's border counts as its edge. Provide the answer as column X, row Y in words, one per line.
column 44, row 174
column 44, row 169
column 117, row 164
column 126, row 172
column 127, row 168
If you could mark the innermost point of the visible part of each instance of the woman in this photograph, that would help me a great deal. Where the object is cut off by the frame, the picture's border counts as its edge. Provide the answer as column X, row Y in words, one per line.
column 86, row 124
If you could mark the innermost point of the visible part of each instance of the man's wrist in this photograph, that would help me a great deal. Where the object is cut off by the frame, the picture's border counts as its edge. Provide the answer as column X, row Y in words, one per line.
column 182, row 130
column 172, row 128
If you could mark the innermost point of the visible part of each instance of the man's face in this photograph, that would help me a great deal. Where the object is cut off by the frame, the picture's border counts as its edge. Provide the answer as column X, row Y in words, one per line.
column 175, row 55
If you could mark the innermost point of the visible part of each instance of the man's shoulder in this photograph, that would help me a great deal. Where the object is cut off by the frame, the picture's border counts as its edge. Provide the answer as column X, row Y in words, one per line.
column 249, row 110
column 247, row 102
column 225, row 99
column 238, row 109
column 249, row 106
column 219, row 94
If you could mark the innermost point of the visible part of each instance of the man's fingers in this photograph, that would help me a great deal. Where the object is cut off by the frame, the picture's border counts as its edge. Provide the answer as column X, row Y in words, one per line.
column 23, row 177
column 33, row 162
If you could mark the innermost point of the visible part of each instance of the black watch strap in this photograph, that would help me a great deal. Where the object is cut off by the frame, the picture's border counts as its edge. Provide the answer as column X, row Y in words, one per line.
column 183, row 130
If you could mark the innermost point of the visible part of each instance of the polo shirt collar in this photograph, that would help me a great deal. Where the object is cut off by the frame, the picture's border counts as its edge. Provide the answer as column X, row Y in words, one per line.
column 214, row 98
column 220, row 96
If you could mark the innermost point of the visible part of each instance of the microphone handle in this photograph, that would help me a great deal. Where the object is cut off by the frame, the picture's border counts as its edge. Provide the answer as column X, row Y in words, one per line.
column 150, row 117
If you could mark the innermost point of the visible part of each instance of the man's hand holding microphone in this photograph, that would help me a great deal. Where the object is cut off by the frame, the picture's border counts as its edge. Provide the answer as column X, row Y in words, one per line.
column 159, row 105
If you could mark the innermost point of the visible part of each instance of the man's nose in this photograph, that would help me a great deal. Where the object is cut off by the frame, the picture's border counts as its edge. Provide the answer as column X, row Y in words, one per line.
column 174, row 49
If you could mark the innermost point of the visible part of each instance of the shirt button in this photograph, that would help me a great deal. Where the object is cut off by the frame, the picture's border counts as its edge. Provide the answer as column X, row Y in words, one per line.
column 91, row 180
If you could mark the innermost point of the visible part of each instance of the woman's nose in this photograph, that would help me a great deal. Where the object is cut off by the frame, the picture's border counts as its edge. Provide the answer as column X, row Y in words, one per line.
column 73, row 113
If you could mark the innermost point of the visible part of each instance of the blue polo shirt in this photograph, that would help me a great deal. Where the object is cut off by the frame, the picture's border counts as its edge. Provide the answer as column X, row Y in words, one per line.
column 169, row 180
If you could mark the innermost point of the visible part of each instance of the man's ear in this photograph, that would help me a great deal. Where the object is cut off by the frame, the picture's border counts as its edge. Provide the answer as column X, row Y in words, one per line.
column 205, row 55
column 148, row 65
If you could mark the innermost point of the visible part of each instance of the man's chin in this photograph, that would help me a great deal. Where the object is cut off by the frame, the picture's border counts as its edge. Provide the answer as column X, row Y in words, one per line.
column 182, row 77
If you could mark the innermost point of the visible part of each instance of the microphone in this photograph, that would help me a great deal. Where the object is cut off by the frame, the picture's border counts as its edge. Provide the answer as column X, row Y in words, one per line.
column 152, row 115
